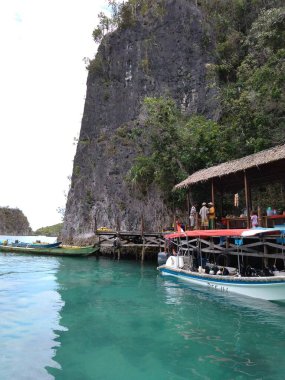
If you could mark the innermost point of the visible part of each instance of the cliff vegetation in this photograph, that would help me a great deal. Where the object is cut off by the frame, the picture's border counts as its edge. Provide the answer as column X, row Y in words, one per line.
column 175, row 86
column 250, row 64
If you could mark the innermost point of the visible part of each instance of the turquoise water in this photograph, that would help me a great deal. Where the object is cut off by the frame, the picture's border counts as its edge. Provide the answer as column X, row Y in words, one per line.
column 85, row 319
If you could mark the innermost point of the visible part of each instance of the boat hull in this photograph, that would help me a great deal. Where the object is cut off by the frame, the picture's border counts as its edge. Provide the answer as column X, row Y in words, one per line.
column 36, row 245
column 267, row 288
column 71, row 252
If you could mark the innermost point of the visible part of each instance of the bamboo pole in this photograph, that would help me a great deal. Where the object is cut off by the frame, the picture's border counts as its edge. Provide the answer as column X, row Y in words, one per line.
column 188, row 202
column 246, row 191
column 213, row 191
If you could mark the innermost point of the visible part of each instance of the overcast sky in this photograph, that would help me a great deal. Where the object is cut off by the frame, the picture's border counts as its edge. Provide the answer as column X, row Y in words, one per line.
column 42, row 91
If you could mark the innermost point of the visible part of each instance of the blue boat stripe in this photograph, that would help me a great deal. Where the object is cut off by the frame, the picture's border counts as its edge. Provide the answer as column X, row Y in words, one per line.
column 218, row 280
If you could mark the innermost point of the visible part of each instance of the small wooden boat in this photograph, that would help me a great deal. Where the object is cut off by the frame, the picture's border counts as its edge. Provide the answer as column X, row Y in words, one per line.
column 36, row 245
column 60, row 251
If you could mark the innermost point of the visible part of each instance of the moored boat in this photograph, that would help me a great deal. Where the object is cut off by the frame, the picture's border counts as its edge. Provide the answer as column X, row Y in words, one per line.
column 60, row 251
column 35, row 245
column 269, row 286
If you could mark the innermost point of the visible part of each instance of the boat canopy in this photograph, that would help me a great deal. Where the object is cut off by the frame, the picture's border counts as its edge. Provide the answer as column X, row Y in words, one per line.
column 237, row 232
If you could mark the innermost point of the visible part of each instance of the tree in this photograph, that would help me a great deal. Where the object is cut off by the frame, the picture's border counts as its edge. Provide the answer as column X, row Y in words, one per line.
column 176, row 146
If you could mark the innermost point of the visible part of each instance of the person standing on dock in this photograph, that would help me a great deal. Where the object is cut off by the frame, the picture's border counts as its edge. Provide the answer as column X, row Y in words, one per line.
column 254, row 219
column 212, row 216
column 192, row 216
column 204, row 212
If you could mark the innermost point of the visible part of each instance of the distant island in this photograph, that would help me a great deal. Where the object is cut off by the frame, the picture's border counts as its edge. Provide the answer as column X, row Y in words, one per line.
column 54, row 230
column 14, row 222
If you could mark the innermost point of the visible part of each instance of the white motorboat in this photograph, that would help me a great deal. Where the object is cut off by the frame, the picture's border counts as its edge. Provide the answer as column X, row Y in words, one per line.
column 271, row 287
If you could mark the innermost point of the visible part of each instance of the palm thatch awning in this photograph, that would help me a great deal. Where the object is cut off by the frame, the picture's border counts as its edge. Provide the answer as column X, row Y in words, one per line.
column 261, row 167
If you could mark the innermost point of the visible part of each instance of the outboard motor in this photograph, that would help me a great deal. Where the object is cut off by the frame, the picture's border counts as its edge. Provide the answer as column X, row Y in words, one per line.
column 175, row 262
column 162, row 258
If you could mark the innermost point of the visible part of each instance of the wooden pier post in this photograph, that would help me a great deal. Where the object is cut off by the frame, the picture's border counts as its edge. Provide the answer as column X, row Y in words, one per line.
column 143, row 251
column 197, row 226
column 119, row 254
column 265, row 251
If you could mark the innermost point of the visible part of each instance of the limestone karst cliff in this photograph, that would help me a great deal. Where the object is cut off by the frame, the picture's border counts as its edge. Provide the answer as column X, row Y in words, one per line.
column 13, row 222
column 160, row 55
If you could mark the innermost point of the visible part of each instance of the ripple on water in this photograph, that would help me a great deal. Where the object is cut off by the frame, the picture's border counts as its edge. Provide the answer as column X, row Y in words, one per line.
column 101, row 319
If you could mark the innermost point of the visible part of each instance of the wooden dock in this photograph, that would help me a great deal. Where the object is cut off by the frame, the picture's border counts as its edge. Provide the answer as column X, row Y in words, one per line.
column 135, row 243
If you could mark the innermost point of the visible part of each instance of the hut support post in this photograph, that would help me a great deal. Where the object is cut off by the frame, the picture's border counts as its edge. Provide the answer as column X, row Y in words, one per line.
column 222, row 202
column 188, row 202
column 259, row 216
column 213, row 191
column 246, row 191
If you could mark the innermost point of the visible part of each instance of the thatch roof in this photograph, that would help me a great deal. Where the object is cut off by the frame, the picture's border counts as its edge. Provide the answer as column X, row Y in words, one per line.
column 254, row 160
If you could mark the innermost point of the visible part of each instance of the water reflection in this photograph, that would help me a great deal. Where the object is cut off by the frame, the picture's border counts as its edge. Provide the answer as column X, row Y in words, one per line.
column 29, row 307
column 123, row 320
column 68, row 319
column 228, row 330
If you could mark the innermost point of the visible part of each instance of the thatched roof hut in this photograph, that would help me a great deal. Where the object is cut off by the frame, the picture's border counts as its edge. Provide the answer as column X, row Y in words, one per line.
column 260, row 167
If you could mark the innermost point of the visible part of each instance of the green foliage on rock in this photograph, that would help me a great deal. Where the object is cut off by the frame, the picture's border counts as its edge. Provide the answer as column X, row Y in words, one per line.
column 96, row 65
column 142, row 173
column 250, row 63
column 231, row 21
column 253, row 105
column 124, row 14
column 176, row 145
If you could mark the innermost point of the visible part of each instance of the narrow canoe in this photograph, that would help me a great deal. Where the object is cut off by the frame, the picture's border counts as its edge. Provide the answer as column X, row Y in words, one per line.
column 36, row 245
column 78, row 251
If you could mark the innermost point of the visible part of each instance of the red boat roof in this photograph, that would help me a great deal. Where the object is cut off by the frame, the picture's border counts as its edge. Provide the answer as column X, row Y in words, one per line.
column 237, row 232
column 207, row 233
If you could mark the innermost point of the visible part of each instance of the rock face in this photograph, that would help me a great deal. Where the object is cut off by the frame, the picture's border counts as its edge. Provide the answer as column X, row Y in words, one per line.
column 168, row 54
column 13, row 222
